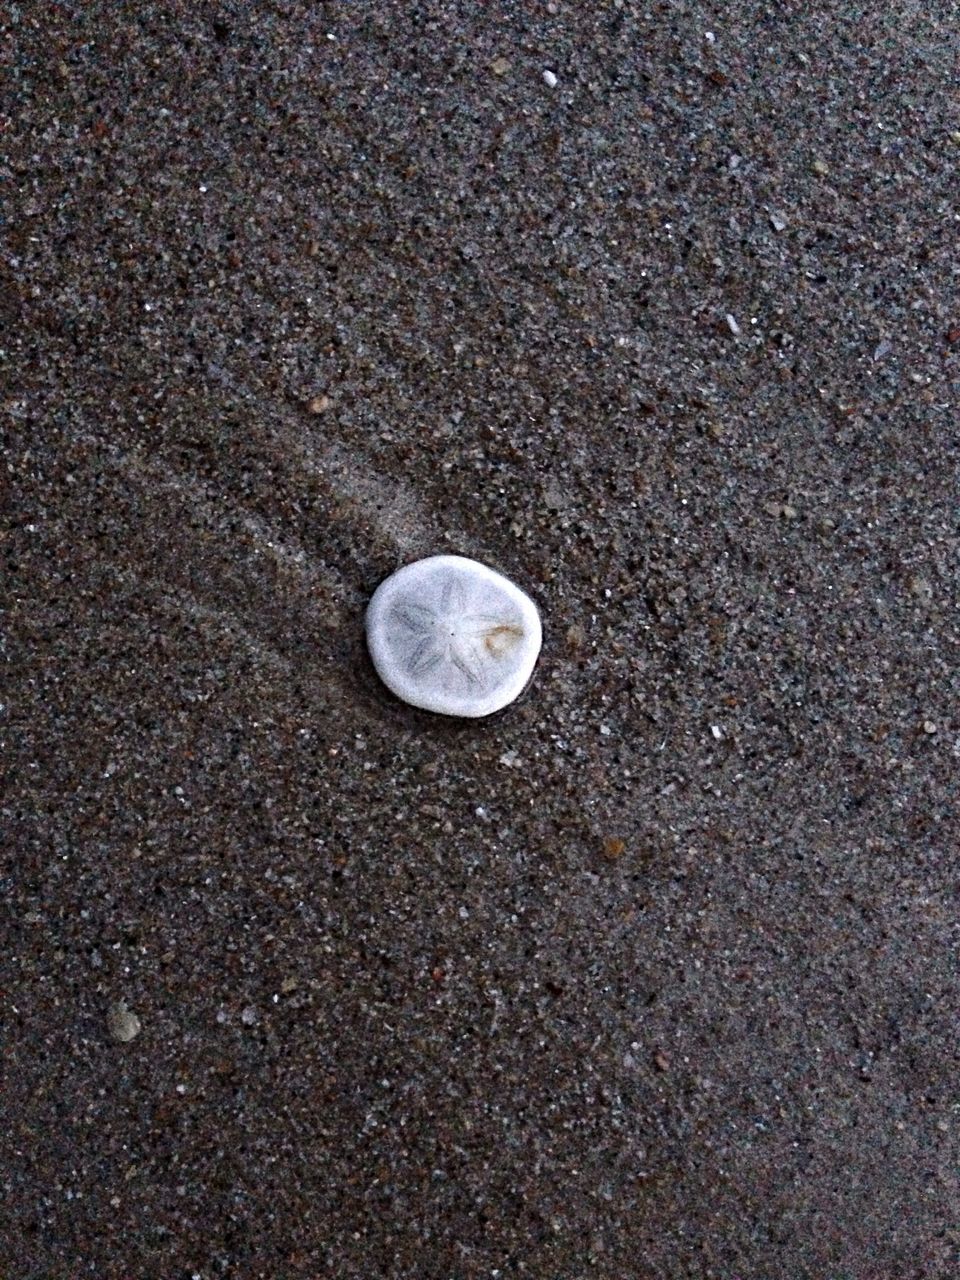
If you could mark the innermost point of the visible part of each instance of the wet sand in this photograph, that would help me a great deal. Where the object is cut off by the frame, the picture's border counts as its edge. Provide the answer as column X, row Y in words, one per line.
column 653, row 974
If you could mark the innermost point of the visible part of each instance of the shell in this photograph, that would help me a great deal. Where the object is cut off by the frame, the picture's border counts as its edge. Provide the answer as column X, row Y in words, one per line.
column 453, row 636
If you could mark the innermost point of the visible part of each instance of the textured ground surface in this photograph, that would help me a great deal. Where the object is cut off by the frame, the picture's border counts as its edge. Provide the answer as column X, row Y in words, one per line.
column 654, row 975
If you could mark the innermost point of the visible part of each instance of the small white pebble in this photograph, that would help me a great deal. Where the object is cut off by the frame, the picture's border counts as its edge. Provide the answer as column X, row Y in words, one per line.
column 929, row 726
column 732, row 325
column 123, row 1024
column 606, row 730
column 549, row 79
column 716, row 731
column 778, row 222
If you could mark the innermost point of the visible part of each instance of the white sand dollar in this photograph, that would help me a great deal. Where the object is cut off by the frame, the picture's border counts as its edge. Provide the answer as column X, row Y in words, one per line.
column 450, row 635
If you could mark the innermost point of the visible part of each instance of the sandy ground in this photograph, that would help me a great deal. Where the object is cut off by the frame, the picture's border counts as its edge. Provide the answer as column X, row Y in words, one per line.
column 653, row 975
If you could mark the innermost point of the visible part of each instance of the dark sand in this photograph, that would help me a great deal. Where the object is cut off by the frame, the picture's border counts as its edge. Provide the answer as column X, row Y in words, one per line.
column 653, row 976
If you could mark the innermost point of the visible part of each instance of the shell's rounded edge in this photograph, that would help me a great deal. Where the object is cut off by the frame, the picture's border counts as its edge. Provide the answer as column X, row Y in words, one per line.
column 404, row 684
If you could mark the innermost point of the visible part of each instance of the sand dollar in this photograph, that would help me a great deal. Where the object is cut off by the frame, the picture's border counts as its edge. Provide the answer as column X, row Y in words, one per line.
column 451, row 635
